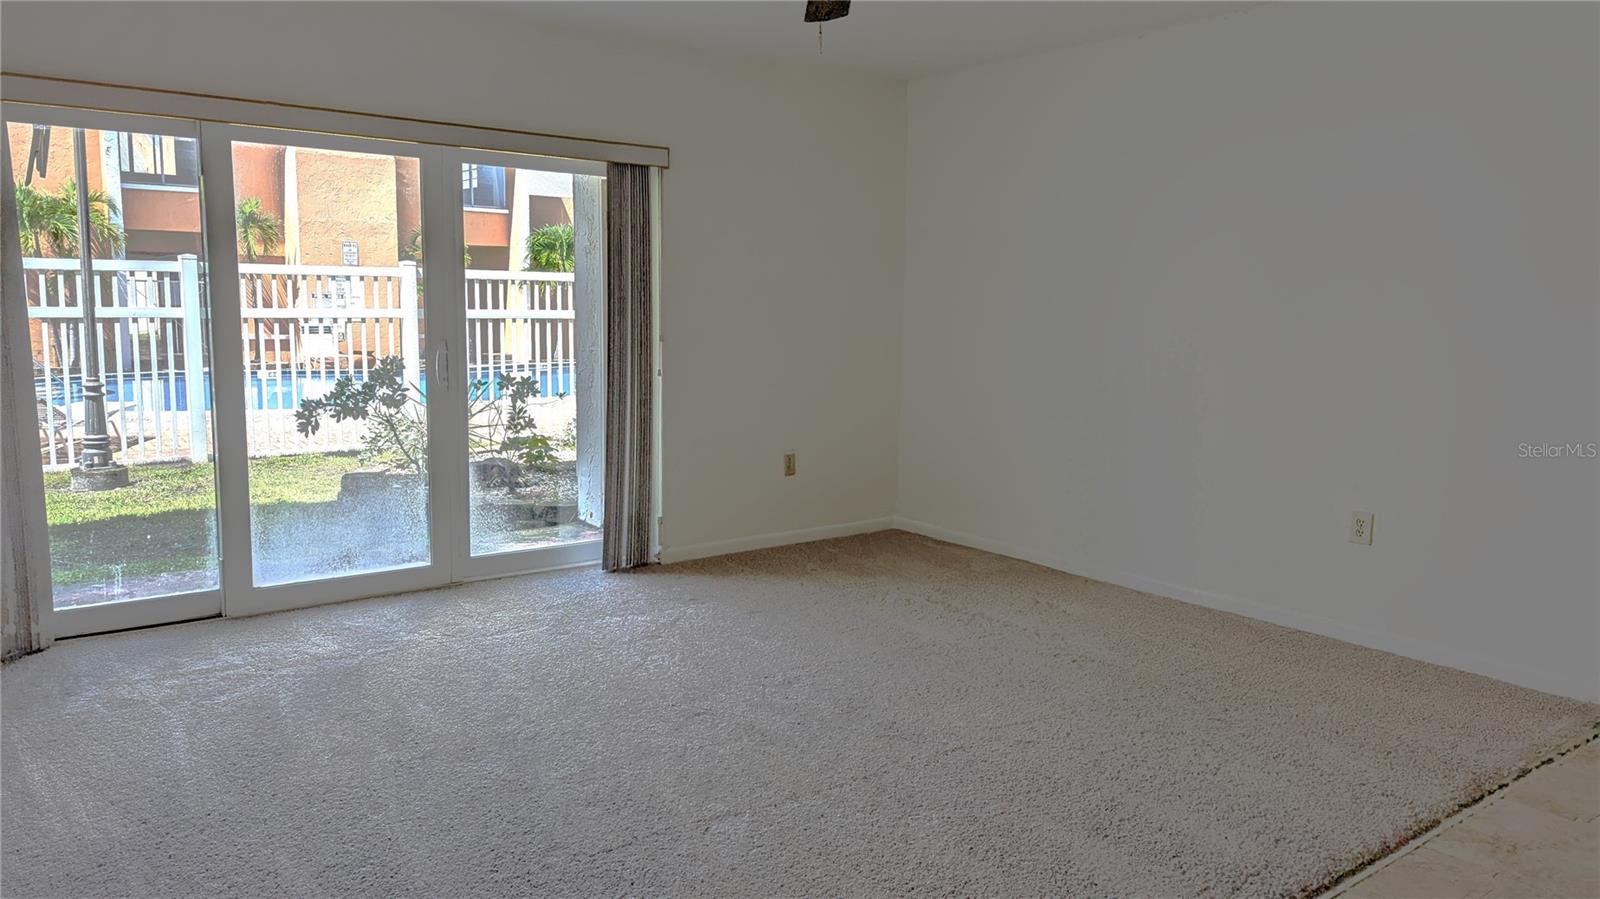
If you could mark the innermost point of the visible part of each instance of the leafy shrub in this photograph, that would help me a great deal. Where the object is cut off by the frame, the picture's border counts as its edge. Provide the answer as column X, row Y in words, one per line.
column 511, row 431
column 398, row 430
column 397, row 434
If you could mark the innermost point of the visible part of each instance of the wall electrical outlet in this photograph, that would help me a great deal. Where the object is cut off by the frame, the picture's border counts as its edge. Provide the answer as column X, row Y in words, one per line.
column 788, row 465
column 1361, row 528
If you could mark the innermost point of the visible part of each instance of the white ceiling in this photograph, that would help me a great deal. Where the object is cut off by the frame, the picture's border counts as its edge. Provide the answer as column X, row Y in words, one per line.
column 900, row 38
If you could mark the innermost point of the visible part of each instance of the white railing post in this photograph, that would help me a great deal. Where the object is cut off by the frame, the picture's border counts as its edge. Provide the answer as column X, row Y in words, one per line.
column 410, row 327
column 194, row 384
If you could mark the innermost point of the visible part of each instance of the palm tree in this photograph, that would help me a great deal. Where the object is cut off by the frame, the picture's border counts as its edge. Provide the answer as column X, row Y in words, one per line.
column 259, row 233
column 48, row 223
column 550, row 249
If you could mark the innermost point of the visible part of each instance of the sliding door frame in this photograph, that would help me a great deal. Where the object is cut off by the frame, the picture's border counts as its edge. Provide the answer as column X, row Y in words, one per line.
column 440, row 275
column 217, row 121
column 121, row 614
column 467, row 566
column 449, row 493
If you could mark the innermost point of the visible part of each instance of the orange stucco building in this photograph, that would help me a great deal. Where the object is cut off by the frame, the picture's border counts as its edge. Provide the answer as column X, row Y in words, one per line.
column 330, row 205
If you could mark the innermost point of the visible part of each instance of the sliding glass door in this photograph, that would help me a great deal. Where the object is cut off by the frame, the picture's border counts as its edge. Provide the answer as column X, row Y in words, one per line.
column 329, row 487
column 533, row 244
column 110, row 254
column 282, row 394
column 332, row 318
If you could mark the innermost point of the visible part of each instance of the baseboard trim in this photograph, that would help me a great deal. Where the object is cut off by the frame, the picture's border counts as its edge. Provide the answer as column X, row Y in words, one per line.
column 1546, row 681
column 670, row 554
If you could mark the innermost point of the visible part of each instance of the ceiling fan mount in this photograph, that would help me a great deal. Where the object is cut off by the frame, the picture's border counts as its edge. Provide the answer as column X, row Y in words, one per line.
column 826, row 10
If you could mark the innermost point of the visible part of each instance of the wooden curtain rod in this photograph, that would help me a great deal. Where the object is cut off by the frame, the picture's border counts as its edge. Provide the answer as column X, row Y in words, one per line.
column 101, row 96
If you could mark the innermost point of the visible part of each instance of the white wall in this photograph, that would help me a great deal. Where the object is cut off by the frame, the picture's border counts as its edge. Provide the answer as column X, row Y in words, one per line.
column 782, row 210
column 1175, row 306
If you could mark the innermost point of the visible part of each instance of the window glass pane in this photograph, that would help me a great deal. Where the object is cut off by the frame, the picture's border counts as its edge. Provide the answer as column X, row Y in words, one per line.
column 142, row 151
column 158, row 159
column 331, row 294
column 532, row 305
column 484, row 186
column 122, row 400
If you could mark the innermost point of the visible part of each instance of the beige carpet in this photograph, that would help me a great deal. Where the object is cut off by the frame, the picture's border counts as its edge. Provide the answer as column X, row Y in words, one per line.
column 874, row 715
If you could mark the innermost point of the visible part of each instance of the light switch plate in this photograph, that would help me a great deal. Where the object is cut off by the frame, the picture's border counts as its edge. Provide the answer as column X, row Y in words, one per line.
column 1361, row 528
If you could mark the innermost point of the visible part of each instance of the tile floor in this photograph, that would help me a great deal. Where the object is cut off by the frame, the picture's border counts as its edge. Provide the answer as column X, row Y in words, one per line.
column 1539, row 837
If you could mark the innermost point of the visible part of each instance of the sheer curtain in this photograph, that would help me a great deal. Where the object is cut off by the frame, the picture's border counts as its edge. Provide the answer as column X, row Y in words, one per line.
column 24, row 573
column 630, row 370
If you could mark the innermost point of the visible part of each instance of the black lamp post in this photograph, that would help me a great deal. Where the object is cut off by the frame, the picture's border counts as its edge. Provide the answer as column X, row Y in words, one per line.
column 96, row 470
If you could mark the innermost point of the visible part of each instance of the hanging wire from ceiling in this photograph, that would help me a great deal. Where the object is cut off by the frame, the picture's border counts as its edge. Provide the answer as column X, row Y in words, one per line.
column 820, row 11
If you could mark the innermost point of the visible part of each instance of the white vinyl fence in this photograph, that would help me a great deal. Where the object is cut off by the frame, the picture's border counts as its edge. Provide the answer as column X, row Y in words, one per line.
column 304, row 327
column 150, row 334
column 520, row 323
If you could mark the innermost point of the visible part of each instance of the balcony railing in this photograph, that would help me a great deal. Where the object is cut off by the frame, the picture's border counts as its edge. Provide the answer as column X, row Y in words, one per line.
column 303, row 327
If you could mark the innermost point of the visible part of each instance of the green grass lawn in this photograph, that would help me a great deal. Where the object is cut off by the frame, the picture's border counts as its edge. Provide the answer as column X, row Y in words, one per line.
column 162, row 527
column 183, row 487
column 164, row 521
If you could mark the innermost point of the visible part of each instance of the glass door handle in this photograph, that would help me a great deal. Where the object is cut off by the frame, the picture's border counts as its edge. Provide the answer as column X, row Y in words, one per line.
column 441, row 364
